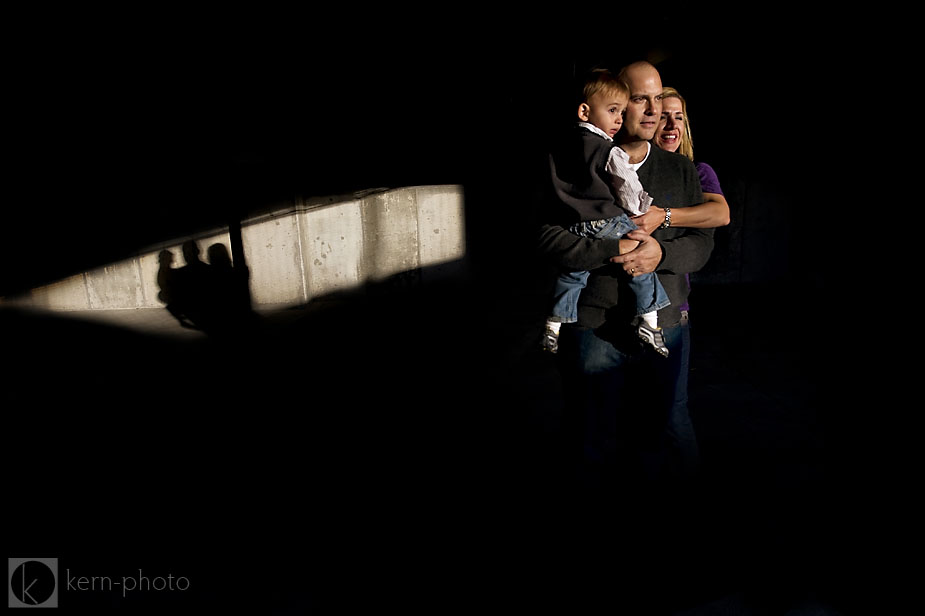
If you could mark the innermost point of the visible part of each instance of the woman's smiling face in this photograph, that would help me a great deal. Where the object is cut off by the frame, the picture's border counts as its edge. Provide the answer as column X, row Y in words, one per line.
column 670, row 125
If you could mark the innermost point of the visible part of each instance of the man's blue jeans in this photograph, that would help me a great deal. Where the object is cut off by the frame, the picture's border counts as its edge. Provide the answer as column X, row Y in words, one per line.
column 681, row 433
column 620, row 403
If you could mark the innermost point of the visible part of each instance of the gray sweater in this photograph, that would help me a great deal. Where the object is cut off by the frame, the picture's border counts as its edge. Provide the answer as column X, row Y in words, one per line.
column 672, row 181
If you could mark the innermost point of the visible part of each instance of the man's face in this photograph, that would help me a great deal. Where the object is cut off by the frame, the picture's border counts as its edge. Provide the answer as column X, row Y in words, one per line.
column 645, row 104
column 605, row 111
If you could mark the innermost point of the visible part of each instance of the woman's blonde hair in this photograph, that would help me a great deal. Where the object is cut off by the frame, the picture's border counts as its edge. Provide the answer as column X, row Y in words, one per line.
column 687, row 143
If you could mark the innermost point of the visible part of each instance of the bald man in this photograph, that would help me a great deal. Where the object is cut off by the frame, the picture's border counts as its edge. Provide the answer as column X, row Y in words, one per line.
column 621, row 394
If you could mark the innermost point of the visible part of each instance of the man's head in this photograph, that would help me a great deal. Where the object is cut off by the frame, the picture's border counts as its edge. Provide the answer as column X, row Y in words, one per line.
column 191, row 252
column 602, row 101
column 645, row 102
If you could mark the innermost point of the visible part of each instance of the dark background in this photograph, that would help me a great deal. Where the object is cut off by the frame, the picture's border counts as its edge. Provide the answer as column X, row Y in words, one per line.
column 121, row 135
column 125, row 130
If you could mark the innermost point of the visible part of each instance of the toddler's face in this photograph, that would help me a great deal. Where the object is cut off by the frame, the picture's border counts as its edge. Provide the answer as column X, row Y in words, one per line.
column 605, row 111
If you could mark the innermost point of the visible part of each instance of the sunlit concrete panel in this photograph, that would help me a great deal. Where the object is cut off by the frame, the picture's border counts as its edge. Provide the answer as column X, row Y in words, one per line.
column 297, row 253
column 390, row 234
column 274, row 256
column 67, row 294
column 149, row 264
column 441, row 225
column 332, row 241
column 115, row 286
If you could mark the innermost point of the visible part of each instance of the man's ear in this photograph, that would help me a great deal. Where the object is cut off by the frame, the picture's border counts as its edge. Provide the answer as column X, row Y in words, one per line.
column 583, row 111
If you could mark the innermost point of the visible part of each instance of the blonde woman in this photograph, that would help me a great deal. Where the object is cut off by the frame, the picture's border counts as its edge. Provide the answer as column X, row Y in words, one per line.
column 674, row 135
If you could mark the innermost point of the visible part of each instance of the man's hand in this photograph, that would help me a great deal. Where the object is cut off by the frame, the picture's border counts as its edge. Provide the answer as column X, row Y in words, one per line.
column 651, row 220
column 644, row 258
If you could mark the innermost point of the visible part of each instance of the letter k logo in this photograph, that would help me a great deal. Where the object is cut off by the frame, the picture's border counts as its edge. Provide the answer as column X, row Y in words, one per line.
column 33, row 582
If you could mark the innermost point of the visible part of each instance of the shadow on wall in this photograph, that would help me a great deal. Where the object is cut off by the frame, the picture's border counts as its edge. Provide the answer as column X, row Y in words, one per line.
column 213, row 297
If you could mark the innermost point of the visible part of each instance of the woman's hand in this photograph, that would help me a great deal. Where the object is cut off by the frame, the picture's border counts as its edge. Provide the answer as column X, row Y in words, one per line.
column 651, row 220
column 644, row 258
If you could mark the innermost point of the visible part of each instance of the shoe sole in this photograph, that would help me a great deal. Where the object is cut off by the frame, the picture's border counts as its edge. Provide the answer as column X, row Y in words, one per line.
column 663, row 351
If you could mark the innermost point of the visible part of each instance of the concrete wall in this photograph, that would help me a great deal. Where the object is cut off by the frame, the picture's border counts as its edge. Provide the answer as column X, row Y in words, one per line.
column 299, row 251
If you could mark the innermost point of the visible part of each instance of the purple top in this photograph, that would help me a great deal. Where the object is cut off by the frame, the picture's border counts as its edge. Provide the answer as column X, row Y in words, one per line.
column 709, row 183
column 708, row 180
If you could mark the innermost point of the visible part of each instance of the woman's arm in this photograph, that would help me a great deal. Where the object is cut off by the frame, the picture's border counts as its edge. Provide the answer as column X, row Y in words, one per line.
column 713, row 212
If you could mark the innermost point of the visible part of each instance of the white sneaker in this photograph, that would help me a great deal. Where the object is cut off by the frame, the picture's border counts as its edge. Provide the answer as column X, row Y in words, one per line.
column 653, row 336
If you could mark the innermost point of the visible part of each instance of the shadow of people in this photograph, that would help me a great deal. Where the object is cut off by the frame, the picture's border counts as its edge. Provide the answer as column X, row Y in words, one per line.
column 212, row 298
column 174, row 284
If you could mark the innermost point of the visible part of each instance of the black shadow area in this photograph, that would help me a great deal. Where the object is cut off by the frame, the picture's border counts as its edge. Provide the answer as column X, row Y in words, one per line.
column 385, row 438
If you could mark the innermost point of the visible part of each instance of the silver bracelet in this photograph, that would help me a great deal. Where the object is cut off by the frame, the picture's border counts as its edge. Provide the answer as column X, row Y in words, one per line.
column 667, row 222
